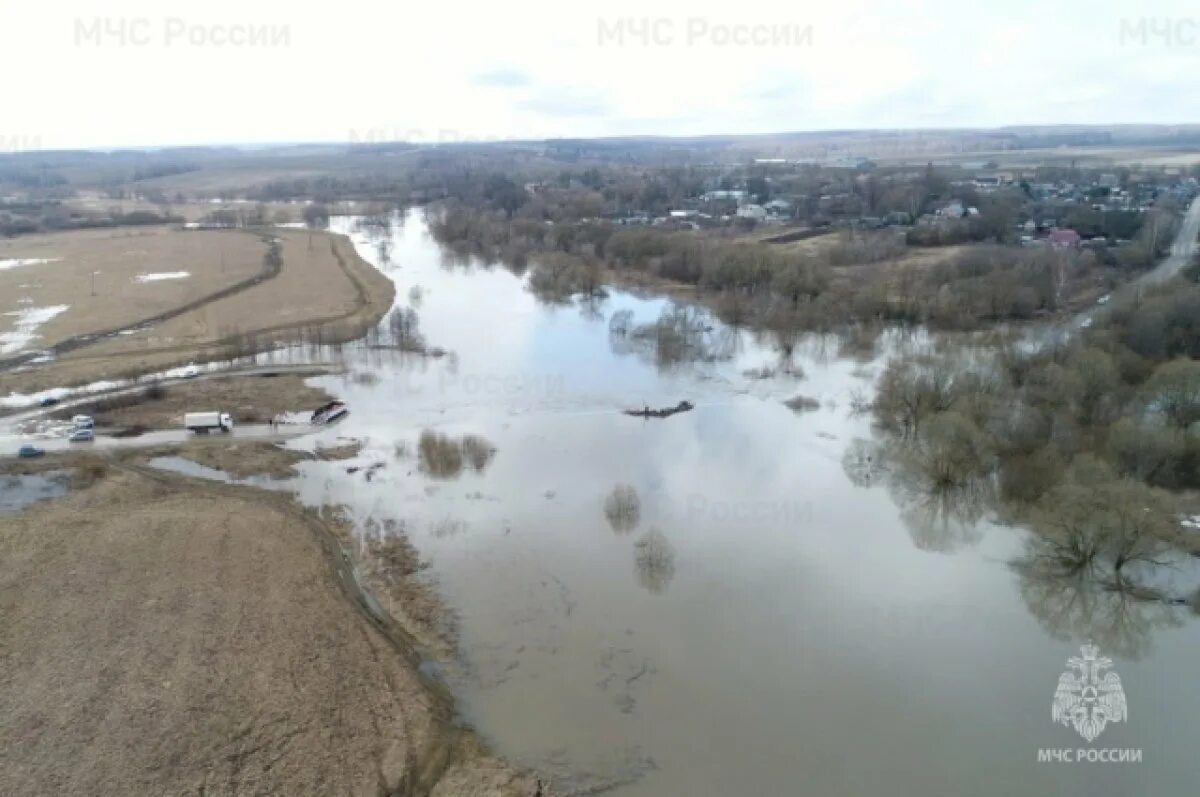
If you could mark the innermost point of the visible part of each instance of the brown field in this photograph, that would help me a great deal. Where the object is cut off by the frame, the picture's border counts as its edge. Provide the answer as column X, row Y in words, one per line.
column 323, row 288
column 232, row 179
column 919, row 257
column 162, row 635
column 214, row 260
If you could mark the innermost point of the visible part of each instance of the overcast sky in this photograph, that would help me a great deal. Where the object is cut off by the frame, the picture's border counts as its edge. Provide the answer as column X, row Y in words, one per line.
column 86, row 74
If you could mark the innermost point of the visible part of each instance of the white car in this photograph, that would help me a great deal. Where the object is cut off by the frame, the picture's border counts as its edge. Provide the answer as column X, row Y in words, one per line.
column 83, row 435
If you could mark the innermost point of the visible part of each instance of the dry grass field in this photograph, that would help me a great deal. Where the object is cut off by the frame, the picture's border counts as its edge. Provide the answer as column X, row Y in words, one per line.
column 212, row 259
column 161, row 635
column 322, row 284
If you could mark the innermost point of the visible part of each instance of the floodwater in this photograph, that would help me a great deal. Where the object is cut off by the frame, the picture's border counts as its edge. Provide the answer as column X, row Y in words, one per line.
column 733, row 600
column 756, row 611
column 19, row 491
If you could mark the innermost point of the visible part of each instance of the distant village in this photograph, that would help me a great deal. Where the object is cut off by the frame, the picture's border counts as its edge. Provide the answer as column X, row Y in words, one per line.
column 1089, row 208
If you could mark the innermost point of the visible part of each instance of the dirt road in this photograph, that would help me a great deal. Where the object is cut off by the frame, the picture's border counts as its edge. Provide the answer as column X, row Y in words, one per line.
column 1182, row 251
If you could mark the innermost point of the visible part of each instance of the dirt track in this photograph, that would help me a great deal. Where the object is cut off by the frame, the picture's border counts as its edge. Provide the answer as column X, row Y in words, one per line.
column 164, row 635
column 250, row 399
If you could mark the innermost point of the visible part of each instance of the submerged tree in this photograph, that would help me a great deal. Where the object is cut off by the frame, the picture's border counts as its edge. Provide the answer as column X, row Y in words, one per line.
column 654, row 561
column 443, row 457
column 622, row 508
column 1100, row 525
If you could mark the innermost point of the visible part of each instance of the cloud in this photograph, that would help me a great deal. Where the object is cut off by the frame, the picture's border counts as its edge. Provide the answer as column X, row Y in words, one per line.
column 502, row 78
column 529, row 70
column 566, row 101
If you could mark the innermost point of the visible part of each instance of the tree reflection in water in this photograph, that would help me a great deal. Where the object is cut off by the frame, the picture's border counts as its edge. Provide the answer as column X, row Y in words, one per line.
column 942, row 519
column 863, row 462
column 1074, row 605
column 940, row 515
column 591, row 307
column 654, row 561
column 682, row 334
column 622, row 508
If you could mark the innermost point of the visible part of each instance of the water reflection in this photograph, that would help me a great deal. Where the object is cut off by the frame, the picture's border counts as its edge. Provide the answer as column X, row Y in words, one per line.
column 591, row 307
column 622, row 508
column 682, row 334
column 654, row 561
column 1072, row 605
column 20, row 491
column 941, row 515
column 941, row 519
column 862, row 462
column 572, row 670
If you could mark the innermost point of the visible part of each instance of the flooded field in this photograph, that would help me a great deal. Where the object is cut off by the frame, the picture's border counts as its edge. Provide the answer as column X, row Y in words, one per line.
column 733, row 599
column 728, row 600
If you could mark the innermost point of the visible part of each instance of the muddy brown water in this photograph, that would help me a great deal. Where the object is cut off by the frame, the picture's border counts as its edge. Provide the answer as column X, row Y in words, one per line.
column 765, row 616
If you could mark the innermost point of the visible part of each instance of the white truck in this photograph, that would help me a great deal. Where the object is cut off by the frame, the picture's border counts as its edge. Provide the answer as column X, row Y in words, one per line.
column 205, row 422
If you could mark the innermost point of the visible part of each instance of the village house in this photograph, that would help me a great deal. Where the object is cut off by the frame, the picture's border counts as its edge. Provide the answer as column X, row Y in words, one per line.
column 752, row 211
column 1064, row 239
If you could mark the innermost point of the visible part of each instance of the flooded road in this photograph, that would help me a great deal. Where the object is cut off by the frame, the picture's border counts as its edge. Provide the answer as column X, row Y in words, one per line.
column 729, row 600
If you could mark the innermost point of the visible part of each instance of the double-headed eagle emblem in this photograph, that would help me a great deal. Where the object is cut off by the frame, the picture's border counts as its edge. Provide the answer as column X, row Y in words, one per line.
column 1087, row 699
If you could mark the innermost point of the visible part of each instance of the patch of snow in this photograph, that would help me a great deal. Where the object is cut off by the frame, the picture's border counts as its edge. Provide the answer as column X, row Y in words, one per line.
column 17, row 400
column 191, row 370
column 26, row 325
column 163, row 275
column 26, row 261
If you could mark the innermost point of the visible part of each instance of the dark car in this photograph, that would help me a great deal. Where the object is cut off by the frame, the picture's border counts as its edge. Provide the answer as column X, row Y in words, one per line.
column 49, row 401
column 29, row 452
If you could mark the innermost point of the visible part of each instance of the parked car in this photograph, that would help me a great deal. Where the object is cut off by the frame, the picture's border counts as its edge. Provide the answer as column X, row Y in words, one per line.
column 83, row 434
column 29, row 452
column 328, row 413
column 83, row 422
column 49, row 401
